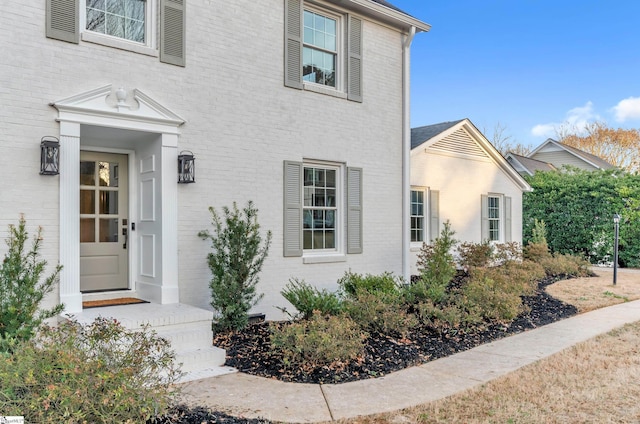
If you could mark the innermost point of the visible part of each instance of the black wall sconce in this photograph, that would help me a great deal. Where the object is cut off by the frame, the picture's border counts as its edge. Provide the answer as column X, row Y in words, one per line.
column 186, row 167
column 49, row 156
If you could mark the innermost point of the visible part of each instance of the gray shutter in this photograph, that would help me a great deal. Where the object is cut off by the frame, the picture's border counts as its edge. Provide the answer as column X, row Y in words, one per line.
column 62, row 20
column 172, row 31
column 292, row 208
column 354, row 67
column 293, row 44
column 507, row 220
column 434, row 214
column 354, row 210
column 484, row 218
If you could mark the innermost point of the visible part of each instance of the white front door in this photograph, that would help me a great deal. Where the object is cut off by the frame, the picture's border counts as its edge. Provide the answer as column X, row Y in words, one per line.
column 104, row 208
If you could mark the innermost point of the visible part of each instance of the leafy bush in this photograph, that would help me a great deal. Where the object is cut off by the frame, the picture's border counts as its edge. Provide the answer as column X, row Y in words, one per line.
column 504, row 252
column 237, row 258
column 446, row 316
column 352, row 283
column 307, row 299
column 319, row 341
column 473, row 255
column 21, row 291
column 436, row 267
column 560, row 265
column 380, row 312
column 493, row 295
column 101, row 373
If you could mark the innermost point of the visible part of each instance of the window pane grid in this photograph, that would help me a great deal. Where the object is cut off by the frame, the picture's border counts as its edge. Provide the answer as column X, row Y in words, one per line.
column 320, row 209
column 417, row 216
column 493, row 213
column 117, row 18
column 320, row 49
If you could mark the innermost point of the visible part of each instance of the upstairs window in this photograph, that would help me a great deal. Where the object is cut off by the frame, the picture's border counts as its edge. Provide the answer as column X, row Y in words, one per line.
column 320, row 52
column 118, row 18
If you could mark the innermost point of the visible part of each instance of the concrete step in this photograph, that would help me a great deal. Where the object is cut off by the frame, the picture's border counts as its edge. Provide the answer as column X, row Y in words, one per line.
column 187, row 339
column 198, row 359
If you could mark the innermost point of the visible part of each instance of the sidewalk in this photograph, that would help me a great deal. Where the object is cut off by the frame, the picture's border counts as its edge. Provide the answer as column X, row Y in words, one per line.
column 249, row 396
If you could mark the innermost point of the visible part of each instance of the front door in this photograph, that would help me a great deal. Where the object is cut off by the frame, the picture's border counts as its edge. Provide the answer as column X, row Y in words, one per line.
column 104, row 207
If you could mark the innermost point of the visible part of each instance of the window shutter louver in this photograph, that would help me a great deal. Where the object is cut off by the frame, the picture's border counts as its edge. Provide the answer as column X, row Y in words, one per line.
column 172, row 31
column 484, row 217
column 354, row 67
column 292, row 209
column 434, row 214
column 507, row 220
column 293, row 44
column 354, row 210
column 62, row 20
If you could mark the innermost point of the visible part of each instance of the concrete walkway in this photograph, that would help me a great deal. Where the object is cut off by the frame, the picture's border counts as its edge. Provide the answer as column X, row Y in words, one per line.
column 248, row 396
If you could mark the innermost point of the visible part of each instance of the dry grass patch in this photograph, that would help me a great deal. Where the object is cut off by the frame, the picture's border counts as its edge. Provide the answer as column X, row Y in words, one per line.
column 595, row 381
column 598, row 292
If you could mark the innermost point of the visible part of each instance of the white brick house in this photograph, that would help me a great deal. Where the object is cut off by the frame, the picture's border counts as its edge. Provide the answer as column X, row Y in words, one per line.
column 300, row 106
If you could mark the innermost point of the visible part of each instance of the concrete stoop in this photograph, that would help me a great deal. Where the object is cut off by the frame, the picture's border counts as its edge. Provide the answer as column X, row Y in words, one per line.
column 187, row 328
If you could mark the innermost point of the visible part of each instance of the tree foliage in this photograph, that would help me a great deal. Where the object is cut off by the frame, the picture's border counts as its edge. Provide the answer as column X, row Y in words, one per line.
column 618, row 146
column 577, row 208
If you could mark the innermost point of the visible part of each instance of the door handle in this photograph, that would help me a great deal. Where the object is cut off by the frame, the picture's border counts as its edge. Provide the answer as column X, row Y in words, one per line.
column 125, row 233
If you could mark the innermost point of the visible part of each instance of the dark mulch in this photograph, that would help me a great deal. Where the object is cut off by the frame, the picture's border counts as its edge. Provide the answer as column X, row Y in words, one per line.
column 249, row 352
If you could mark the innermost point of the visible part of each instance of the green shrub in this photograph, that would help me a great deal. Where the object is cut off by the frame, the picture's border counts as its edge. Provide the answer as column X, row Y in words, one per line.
column 380, row 313
column 536, row 252
column 318, row 341
column 504, row 252
column 437, row 268
column 473, row 255
column 237, row 258
column 560, row 265
column 101, row 373
column 21, row 291
column 446, row 316
column 352, row 283
column 307, row 299
column 491, row 293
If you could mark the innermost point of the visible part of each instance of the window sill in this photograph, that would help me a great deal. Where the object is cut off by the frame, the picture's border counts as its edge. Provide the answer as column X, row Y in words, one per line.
column 325, row 259
column 91, row 37
column 323, row 90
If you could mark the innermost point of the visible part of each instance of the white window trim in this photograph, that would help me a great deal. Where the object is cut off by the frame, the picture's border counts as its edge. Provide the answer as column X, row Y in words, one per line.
column 501, row 218
column 338, row 254
column 149, row 47
column 416, row 245
column 340, row 89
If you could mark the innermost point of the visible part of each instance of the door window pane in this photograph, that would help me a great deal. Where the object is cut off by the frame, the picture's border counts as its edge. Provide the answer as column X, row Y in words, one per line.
column 87, row 173
column 87, row 202
column 108, row 202
column 87, row 230
column 108, row 173
column 108, row 230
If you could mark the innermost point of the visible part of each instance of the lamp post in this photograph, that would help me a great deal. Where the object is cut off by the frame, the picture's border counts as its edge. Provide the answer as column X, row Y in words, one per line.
column 616, row 222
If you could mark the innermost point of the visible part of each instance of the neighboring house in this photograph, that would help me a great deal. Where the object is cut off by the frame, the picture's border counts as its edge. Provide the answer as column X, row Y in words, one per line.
column 556, row 155
column 458, row 176
column 299, row 106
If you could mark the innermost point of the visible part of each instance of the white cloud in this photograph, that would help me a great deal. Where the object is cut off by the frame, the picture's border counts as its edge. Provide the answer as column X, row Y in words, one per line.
column 576, row 119
column 627, row 109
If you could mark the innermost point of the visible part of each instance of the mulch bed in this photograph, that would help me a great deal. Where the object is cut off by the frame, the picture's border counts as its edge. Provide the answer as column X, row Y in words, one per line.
column 249, row 352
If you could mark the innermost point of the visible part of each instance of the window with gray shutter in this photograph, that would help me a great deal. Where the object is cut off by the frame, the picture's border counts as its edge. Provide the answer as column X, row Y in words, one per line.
column 293, row 44
column 484, row 218
column 292, row 209
column 62, row 17
column 354, row 69
column 172, row 31
column 354, row 210
column 434, row 214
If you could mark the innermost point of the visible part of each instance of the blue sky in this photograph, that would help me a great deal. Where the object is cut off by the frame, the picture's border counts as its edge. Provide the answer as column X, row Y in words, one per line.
column 527, row 65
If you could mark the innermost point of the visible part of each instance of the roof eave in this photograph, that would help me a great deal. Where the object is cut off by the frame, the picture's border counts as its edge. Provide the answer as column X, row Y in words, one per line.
column 385, row 14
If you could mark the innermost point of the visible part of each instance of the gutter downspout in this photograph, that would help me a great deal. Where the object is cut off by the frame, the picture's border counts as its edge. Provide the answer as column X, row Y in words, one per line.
column 406, row 153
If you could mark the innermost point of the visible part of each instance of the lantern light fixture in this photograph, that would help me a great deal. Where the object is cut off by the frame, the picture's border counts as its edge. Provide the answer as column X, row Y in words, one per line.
column 186, row 167
column 49, row 156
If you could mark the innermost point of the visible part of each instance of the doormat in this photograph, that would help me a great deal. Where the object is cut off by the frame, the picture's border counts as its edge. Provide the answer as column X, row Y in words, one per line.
column 111, row 302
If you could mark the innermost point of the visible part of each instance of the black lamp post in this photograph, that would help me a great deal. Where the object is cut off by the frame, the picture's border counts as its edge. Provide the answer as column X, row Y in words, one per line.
column 186, row 168
column 49, row 156
column 616, row 222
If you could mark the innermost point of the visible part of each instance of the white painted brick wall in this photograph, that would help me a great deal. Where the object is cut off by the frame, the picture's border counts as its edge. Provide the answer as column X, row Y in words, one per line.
column 242, row 123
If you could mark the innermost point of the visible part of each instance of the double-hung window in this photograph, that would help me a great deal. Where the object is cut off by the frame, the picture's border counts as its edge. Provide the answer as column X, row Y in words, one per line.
column 424, row 215
column 322, row 209
column 323, row 50
column 418, row 216
column 124, row 24
column 493, row 213
column 496, row 218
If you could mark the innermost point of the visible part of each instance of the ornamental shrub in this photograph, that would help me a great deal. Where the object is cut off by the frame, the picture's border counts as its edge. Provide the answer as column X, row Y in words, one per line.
column 100, row 373
column 237, row 258
column 380, row 312
column 492, row 294
column 352, row 283
column 473, row 255
column 21, row 287
column 307, row 299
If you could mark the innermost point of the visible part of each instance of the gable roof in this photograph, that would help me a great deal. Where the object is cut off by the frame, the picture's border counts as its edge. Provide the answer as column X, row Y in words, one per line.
column 462, row 138
column 592, row 160
column 528, row 165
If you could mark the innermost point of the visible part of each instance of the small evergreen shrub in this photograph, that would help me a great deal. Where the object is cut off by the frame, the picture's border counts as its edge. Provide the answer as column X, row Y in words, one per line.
column 537, row 250
column 101, row 373
column 446, row 316
column 21, row 288
column 473, row 255
column 237, row 258
column 319, row 341
column 504, row 252
column 559, row 265
column 492, row 294
column 380, row 312
column 307, row 299
column 352, row 283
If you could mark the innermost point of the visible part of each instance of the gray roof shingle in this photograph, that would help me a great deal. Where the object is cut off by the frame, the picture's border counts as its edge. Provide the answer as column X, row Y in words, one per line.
column 532, row 165
column 390, row 6
column 420, row 135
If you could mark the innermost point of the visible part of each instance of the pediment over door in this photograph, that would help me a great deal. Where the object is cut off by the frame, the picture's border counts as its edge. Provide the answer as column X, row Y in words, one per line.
column 119, row 108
